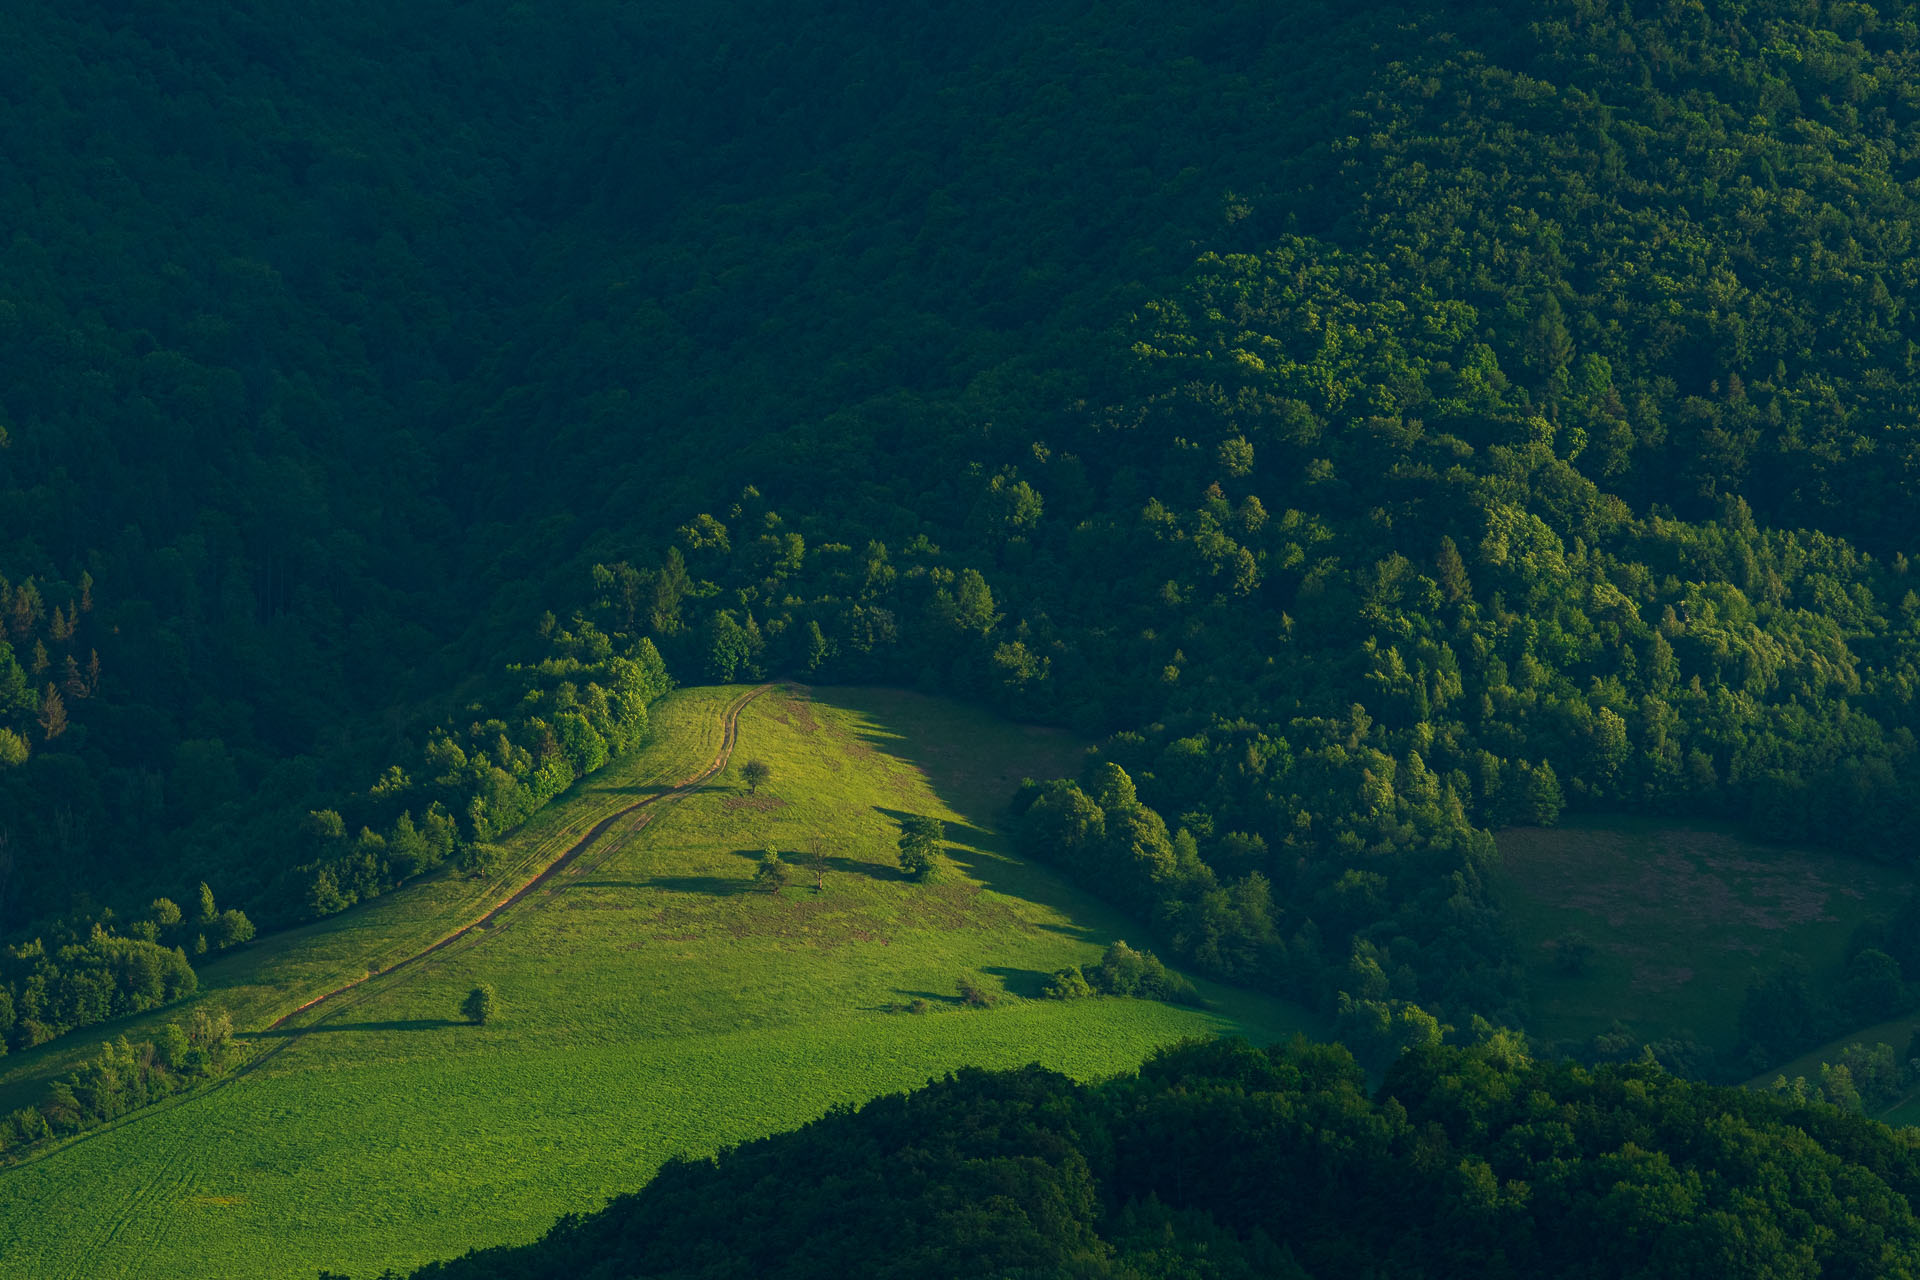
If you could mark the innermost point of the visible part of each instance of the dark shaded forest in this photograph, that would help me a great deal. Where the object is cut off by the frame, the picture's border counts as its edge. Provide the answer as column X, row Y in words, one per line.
column 1373, row 424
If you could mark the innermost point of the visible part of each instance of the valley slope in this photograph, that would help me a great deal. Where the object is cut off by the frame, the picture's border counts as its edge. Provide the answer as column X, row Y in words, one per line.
column 655, row 1004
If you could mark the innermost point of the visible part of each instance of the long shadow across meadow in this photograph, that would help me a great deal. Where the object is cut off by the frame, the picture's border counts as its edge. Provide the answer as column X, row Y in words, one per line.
column 802, row 863
column 981, row 854
column 408, row 1024
column 712, row 886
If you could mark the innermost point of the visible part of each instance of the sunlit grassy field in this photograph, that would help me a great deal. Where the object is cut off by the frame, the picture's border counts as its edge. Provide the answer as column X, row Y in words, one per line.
column 654, row 1003
column 1681, row 917
column 274, row 976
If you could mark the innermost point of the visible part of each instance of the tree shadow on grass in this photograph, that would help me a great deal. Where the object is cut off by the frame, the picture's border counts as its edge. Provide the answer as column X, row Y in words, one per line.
column 855, row 867
column 714, row 886
column 1082, row 933
column 646, row 789
column 967, row 847
column 977, row 782
column 802, row 864
column 1028, row 984
column 410, row 1024
column 931, row 997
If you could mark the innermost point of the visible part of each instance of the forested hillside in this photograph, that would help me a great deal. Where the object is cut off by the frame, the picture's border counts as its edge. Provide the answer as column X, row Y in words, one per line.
column 1222, row 1161
column 1377, row 425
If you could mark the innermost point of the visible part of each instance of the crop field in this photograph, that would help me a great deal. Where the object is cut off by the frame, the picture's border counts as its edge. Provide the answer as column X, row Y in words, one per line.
column 1680, row 918
column 654, row 1003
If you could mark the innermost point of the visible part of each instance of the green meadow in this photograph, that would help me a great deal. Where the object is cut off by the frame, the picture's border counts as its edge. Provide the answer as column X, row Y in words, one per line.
column 655, row 1004
column 1681, row 917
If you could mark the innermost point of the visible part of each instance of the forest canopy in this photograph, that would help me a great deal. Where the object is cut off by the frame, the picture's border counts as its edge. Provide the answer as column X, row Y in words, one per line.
column 1375, row 426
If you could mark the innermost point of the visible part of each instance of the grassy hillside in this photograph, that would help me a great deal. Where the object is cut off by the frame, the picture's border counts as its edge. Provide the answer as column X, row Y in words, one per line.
column 266, row 981
column 1680, row 919
column 654, row 1004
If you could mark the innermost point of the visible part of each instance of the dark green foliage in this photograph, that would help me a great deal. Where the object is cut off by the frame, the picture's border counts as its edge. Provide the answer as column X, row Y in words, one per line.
column 480, row 1005
column 919, row 845
column 1382, row 426
column 755, row 774
column 1788, row 1010
column 76, row 984
column 125, row 1077
column 1068, row 984
column 1572, row 954
column 1220, row 1160
column 1872, row 987
column 772, row 872
column 1122, row 971
column 1779, row 1015
column 1866, row 1078
column 583, row 703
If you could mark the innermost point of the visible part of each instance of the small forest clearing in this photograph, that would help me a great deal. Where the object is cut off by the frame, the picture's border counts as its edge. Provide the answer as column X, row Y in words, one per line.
column 1676, row 920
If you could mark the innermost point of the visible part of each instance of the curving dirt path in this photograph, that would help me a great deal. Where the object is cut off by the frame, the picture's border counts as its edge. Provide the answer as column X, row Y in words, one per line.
column 729, row 734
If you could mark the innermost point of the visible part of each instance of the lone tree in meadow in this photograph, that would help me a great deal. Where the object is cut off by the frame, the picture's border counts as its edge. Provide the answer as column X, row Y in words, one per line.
column 817, row 859
column 772, row 872
column 755, row 774
column 480, row 1005
column 920, row 845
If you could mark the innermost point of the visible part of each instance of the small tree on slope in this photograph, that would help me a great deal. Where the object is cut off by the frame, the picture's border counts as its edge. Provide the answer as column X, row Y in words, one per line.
column 480, row 1005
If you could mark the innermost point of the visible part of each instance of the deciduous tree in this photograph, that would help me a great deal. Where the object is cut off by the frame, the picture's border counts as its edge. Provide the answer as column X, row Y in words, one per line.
column 481, row 1004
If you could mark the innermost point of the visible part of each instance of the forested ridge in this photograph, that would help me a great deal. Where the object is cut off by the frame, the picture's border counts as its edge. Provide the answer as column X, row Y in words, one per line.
column 1374, row 425
column 1534, row 441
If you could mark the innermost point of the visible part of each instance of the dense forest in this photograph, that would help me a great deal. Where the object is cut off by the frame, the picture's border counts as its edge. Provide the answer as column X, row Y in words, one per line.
column 1222, row 1161
column 1373, row 425
column 1370, row 425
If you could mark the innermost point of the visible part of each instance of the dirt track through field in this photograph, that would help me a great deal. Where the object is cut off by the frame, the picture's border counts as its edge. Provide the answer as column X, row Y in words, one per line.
column 648, row 808
column 729, row 733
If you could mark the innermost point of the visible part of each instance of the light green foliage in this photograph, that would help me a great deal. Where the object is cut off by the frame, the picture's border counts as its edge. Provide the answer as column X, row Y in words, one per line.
column 1069, row 983
column 655, row 1006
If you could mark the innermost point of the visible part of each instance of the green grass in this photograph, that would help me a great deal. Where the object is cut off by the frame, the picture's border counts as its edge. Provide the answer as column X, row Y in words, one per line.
column 1681, row 917
column 1895, row 1032
column 261, row 982
column 654, row 1005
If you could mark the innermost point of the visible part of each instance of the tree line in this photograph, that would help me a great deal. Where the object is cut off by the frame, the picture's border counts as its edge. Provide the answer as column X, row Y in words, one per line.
column 123, row 1077
column 98, row 968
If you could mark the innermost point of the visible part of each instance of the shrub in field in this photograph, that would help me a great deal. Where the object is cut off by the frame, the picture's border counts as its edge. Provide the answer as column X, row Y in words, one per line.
column 481, row 1005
